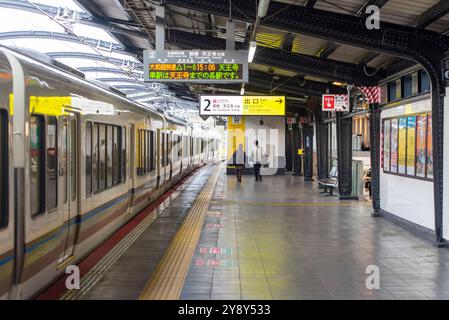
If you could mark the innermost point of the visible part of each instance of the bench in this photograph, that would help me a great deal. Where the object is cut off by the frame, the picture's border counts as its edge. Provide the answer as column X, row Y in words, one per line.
column 329, row 184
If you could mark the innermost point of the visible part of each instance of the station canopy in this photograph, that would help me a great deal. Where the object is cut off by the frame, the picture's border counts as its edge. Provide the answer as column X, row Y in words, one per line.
column 118, row 31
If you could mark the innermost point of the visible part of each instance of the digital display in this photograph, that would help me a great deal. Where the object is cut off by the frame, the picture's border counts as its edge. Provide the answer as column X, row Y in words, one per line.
column 195, row 71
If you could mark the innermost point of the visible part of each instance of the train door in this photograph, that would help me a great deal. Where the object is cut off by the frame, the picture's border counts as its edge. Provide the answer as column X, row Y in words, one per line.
column 70, row 147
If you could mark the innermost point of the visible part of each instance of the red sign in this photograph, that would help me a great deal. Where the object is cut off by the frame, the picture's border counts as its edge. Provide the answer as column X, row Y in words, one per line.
column 328, row 102
column 335, row 102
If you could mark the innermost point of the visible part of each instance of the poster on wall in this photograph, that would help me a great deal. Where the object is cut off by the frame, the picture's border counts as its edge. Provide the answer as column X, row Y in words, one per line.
column 394, row 145
column 421, row 124
column 402, row 140
column 387, row 145
column 429, row 148
column 411, row 138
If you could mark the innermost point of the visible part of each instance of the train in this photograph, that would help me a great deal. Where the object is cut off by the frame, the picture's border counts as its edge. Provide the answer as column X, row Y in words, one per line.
column 77, row 162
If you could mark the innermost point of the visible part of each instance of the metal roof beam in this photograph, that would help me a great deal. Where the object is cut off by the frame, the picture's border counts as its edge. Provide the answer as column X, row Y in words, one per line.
column 96, row 57
column 287, row 42
column 378, row 3
column 331, row 70
column 107, row 70
column 423, row 46
column 433, row 14
column 99, row 44
column 310, row 3
column 108, row 24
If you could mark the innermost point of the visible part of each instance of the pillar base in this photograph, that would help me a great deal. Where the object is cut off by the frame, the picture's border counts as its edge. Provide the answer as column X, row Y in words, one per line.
column 308, row 179
column 441, row 244
column 376, row 214
column 349, row 198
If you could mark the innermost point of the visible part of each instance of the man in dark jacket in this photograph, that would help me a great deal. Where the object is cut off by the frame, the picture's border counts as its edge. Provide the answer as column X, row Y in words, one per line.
column 239, row 160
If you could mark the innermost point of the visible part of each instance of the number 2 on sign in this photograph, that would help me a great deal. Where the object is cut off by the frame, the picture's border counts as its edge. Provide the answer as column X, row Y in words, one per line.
column 208, row 105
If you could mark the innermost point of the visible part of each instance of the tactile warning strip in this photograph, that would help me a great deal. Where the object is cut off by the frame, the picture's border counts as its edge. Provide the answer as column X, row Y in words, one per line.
column 168, row 278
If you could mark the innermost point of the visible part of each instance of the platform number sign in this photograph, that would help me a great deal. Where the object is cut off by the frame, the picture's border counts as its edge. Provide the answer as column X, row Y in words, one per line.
column 207, row 106
column 335, row 102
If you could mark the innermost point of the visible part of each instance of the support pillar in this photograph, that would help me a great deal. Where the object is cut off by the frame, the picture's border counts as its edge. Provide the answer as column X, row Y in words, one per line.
column 322, row 149
column 374, row 122
column 344, row 155
column 308, row 152
column 296, row 161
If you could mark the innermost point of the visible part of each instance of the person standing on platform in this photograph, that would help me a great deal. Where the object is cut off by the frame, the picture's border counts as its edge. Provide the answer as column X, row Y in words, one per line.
column 256, row 157
column 239, row 160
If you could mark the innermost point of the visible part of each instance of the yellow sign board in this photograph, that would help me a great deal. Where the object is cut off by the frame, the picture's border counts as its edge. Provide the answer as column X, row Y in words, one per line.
column 264, row 105
column 242, row 105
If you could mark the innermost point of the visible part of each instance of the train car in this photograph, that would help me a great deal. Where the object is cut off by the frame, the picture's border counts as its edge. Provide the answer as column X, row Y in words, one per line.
column 77, row 161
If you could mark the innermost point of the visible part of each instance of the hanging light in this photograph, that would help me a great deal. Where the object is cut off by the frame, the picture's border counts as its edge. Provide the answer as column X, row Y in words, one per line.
column 252, row 51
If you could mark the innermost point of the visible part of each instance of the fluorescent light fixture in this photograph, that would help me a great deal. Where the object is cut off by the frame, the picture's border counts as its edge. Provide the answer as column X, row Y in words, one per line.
column 263, row 8
column 252, row 51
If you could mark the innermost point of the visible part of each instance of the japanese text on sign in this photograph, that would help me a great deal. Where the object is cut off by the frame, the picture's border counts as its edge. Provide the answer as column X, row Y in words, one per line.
column 242, row 105
column 201, row 66
column 195, row 71
column 335, row 102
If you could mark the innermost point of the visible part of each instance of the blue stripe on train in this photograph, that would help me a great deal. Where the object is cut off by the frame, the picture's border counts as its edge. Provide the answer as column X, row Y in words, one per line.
column 77, row 220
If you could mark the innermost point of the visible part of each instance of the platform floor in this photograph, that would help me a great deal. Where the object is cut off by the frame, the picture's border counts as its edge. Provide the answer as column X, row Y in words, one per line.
column 275, row 239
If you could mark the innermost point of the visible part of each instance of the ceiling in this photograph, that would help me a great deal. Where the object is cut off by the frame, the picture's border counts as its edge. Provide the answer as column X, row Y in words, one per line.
column 132, row 23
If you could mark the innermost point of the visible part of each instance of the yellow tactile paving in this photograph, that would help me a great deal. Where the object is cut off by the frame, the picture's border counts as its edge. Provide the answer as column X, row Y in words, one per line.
column 168, row 279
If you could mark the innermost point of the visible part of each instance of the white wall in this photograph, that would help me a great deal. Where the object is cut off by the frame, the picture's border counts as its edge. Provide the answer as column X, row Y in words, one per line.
column 408, row 198
column 446, row 168
column 271, row 133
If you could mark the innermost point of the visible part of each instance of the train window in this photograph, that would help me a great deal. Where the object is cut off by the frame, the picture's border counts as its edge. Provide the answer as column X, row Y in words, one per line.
column 152, row 162
column 139, row 152
column 73, row 158
column 95, row 156
column 37, row 183
column 145, row 153
column 149, row 151
column 169, row 148
column 102, row 158
column 88, row 153
column 179, row 147
column 123, row 158
column 109, row 156
column 52, row 163
column 117, row 154
column 4, row 185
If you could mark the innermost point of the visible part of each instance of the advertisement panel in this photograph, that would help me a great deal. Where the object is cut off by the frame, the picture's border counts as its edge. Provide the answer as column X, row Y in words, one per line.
column 394, row 145
column 429, row 148
column 387, row 142
column 402, row 147
column 411, row 139
column 421, row 125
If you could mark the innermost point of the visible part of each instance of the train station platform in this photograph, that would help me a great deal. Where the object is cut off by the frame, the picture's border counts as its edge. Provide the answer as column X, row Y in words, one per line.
column 215, row 238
